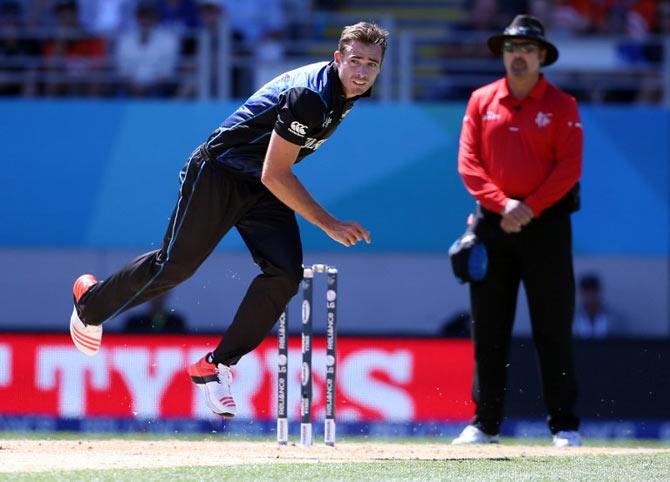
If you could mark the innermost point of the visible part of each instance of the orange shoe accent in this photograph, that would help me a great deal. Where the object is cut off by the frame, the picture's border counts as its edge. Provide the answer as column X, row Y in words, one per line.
column 86, row 338
column 87, row 342
column 82, row 285
column 203, row 372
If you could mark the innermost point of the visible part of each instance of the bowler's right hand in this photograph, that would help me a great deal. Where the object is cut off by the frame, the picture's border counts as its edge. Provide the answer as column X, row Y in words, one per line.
column 347, row 233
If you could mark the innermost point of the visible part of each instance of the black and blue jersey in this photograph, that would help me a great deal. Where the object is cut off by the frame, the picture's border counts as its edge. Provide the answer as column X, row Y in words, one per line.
column 304, row 106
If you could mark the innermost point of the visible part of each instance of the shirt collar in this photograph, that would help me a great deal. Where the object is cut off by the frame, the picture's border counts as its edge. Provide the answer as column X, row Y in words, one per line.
column 536, row 93
column 540, row 87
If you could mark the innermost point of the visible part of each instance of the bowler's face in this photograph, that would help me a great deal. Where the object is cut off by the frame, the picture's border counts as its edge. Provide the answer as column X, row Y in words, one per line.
column 522, row 57
column 358, row 66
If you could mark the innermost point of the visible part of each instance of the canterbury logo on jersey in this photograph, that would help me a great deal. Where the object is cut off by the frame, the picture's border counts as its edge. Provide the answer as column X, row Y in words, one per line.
column 298, row 129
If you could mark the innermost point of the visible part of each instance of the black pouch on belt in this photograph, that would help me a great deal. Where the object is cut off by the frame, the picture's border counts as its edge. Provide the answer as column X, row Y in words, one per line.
column 469, row 259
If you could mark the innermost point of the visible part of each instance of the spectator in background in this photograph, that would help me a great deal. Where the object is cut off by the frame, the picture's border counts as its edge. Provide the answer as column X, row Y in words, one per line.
column 300, row 15
column 214, row 20
column 483, row 16
column 259, row 22
column 564, row 17
column 211, row 14
column 157, row 319
column 592, row 319
column 106, row 17
column 101, row 17
column 662, row 26
column 626, row 17
column 487, row 16
column 147, row 56
column 72, row 56
column 640, row 16
column 258, row 27
column 651, row 86
column 39, row 13
column 508, row 9
column 182, row 15
column 16, row 52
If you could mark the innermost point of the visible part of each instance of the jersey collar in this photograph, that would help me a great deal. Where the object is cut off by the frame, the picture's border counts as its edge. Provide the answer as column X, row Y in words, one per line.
column 536, row 93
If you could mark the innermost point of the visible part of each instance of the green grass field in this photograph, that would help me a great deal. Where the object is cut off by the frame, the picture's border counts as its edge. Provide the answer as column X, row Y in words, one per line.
column 580, row 465
column 656, row 467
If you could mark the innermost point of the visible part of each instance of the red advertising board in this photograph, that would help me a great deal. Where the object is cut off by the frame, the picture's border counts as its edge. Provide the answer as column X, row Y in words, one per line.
column 378, row 379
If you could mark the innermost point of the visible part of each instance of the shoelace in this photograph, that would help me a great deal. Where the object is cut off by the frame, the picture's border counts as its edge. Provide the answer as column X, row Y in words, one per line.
column 224, row 375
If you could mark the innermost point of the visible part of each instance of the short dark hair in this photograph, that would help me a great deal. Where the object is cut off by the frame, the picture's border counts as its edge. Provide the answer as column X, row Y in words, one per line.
column 365, row 32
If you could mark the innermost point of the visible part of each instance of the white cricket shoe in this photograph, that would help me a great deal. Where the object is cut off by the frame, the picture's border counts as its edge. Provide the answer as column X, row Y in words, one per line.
column 214, row 381
column 86, row 338
column 570, row 438
column 471, row 435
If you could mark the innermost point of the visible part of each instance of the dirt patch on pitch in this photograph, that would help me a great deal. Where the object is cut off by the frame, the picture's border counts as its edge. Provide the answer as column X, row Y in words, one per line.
column 48, row 455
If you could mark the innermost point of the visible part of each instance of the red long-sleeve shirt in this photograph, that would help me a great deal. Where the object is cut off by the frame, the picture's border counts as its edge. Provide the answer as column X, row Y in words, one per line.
column 528, row 149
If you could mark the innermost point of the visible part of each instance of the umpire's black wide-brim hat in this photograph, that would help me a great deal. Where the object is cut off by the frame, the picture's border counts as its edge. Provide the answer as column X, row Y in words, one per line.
column 524, row 27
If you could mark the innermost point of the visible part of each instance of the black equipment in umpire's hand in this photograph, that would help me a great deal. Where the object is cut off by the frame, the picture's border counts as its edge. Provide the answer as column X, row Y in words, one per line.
column 469, row 259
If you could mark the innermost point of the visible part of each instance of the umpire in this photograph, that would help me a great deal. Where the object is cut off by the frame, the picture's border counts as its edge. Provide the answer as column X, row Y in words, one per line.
column 520, row 157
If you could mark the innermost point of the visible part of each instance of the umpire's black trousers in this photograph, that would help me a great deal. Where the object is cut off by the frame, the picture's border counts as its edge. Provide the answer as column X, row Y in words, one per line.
column 540, row 256
column 212, row 200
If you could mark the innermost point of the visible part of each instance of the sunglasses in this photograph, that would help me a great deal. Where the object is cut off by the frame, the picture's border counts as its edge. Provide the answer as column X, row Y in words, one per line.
column 525, row 47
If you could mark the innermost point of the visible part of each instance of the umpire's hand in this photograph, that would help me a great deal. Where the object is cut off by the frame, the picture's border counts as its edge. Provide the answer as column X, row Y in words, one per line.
column 515, row 216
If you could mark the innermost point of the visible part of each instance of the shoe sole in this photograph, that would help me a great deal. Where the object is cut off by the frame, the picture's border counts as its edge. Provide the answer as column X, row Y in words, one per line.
column 82, row 340
column 563, row 446
column 211, row 406
column 476, row 443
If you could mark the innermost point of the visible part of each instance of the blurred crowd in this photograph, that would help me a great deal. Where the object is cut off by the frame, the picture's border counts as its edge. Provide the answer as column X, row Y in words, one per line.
column 634, row 18
column 159, row 48
column 634, row 29
column 140, row 48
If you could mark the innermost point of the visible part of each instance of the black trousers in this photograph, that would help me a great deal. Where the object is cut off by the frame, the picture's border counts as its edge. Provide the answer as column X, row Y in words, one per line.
column 540, row 256
column 212, row 201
